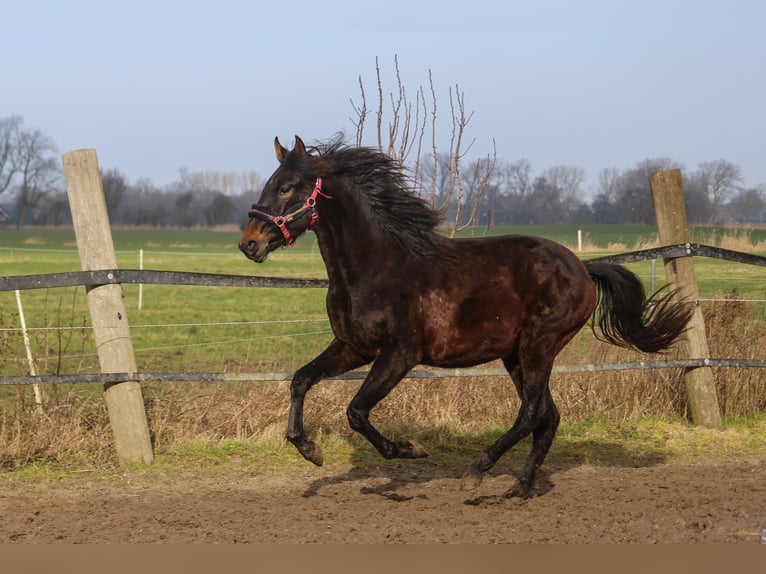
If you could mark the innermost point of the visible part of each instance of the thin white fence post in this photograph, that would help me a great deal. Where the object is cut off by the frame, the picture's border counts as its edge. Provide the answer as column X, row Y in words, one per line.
column 140, row 285
column 28, row 347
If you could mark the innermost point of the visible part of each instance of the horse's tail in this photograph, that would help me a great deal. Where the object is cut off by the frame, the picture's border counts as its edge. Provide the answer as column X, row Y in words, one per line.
column 627, row 318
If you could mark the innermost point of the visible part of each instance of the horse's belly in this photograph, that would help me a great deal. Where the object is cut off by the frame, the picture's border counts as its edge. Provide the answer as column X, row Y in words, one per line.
column 461, row 361
column 467, row 347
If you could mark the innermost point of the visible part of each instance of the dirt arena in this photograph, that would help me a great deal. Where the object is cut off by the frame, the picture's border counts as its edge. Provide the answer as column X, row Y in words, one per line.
column 393, row 502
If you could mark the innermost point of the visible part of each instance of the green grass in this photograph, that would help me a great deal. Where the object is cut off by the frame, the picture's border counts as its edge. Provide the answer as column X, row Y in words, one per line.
column 181, row 328
column 174, row 342
column 632, row 236
column 593, row 441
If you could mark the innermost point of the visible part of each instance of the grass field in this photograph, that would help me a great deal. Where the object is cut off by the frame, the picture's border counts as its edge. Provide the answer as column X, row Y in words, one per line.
column 201, row 329
column 225, row 329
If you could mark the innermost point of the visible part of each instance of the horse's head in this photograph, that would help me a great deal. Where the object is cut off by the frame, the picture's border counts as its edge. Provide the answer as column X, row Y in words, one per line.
column 285, row 209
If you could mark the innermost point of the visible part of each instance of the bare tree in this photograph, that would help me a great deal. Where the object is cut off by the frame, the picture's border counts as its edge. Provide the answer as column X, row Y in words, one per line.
column 608, row 182
column 404, row 139
column 568, row 180
column 115, row 188
column 361, row 112
column 38, row 171
column 699, row 208
column 545, row 204
column 56, row 210
column 227, row 182
column 220, row 209
column 9, row 136
column 749, row 205
column 634, row 195
column 405, row 131
column 518, row 177
column 476, row 183
column 721, row 179
column 145, row 204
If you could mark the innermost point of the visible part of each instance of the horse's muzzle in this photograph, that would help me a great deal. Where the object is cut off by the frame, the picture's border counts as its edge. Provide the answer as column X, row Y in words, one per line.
column 254, row 250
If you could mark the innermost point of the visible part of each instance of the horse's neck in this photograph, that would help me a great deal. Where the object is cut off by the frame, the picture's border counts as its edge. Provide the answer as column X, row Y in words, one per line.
column 349, row 243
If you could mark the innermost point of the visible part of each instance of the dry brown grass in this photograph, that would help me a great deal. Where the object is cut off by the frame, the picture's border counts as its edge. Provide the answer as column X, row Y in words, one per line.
column 72, row 428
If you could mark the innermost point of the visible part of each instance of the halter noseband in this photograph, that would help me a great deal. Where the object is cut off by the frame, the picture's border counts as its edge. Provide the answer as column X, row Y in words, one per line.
column 281, row 221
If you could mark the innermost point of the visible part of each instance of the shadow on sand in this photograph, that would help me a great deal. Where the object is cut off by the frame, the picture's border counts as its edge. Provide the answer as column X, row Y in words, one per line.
column 397, row 476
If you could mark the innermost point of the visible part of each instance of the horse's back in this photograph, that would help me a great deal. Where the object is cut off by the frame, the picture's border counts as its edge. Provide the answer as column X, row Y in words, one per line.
column 524, row 255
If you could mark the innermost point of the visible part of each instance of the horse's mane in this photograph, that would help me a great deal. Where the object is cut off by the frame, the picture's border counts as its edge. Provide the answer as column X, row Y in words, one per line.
column 385, row 189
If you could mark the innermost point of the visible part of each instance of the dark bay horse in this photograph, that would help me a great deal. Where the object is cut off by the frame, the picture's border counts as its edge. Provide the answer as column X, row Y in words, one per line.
column 400, row 294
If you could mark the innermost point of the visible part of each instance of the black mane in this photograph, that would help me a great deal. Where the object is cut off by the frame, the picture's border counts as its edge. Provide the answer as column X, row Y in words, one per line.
column 382, row 183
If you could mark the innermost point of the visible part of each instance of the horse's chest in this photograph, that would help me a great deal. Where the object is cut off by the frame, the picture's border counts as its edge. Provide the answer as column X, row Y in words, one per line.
column 363, row 319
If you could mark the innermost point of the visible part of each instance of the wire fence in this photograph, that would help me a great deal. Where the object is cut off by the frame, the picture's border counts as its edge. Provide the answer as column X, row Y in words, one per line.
column 148, row 277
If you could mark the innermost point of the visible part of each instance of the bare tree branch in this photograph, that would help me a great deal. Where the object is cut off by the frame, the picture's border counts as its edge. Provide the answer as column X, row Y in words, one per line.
column 361, row 114
column 407, row 132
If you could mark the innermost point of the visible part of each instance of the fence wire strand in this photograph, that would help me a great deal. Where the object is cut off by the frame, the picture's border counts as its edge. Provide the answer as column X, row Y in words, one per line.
column 137, row 276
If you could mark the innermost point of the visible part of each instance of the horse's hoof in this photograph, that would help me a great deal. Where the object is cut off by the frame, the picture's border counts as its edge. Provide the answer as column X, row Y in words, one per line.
column 471, row 481
column 519, row 490
column 316, row 455
column 417, row 451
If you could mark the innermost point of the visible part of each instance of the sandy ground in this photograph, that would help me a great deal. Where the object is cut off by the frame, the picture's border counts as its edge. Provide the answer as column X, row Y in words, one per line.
column 393, row 502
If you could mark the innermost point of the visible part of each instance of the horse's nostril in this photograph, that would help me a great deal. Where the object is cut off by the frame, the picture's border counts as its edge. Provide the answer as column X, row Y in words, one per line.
column 250, row 248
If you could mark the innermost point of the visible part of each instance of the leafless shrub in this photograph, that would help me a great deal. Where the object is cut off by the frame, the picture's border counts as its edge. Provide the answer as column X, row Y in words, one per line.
column 437, row 176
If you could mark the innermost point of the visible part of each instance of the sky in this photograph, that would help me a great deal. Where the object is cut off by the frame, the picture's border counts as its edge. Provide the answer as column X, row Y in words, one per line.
column 159, row 86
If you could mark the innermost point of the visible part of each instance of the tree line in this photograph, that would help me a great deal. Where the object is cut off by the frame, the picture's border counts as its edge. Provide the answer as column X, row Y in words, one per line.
column 714, row 193
column 483, row 193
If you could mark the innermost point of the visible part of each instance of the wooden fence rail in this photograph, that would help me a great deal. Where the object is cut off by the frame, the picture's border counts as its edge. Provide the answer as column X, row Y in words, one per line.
column 112, row 378
column 154, row 277
column 150, row 277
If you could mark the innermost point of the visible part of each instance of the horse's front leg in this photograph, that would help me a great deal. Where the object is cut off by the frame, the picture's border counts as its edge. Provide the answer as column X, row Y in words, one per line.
column 385, row 374
column 336, row 359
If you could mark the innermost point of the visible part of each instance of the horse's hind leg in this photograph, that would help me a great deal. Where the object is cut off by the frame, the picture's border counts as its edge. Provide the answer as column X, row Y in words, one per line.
column 537, row 416
column 542, row 438
column 336, row 359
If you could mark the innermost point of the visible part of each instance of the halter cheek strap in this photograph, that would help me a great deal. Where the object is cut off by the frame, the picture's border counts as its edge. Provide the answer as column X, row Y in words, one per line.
column 281, row 221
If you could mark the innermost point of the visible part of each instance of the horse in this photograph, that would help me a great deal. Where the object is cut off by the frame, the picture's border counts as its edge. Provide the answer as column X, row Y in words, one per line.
column 401, row 294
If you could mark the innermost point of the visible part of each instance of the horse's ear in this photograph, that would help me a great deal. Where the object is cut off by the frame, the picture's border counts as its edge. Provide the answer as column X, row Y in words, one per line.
column 281, row 151
column 299, row 149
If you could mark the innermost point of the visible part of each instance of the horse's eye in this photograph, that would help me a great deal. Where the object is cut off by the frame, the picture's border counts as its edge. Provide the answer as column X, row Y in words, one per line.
column 284, row 190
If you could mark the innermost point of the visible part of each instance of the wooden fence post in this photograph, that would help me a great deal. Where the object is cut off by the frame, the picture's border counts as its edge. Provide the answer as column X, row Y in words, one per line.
column 668, row 195
column 124, row 401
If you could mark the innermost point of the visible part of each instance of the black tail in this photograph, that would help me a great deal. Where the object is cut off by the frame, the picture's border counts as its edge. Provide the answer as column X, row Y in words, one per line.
column 627, row 318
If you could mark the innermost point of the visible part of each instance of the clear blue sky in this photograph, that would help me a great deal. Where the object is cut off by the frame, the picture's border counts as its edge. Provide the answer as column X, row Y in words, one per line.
column 156, row 86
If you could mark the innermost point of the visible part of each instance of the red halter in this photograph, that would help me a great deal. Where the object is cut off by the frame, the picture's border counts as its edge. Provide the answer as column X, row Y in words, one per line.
column 281, row 221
